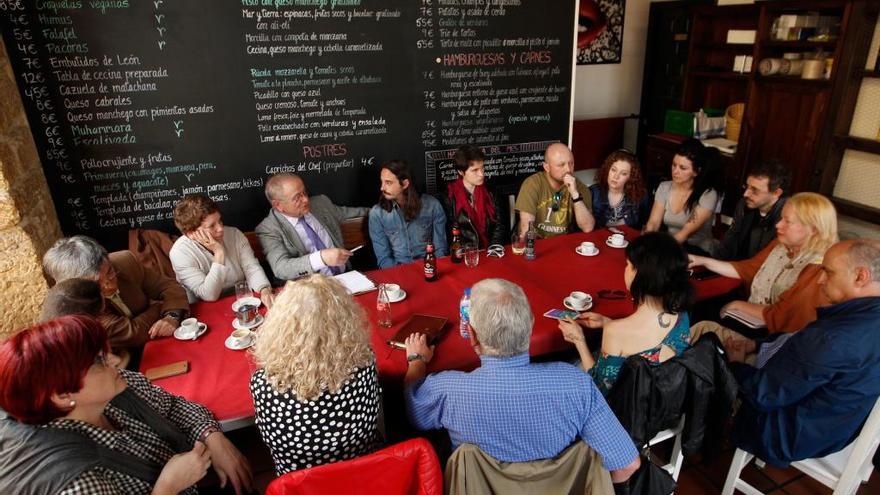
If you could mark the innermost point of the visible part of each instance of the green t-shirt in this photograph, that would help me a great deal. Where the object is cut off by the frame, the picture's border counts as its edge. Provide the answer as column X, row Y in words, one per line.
column 553, row 210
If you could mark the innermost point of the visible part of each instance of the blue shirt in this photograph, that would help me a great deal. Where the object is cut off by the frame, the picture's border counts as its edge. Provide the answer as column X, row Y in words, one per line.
column 517, row 412
column 812, row 397
column 625, row 213
column 396, row 241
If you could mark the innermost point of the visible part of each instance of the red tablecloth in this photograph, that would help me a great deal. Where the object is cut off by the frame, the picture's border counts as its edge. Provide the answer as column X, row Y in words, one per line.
column 218, row 377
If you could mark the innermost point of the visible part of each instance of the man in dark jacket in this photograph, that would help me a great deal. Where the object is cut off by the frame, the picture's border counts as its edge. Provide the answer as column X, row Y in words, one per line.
column 756, row 215
column 813, row 395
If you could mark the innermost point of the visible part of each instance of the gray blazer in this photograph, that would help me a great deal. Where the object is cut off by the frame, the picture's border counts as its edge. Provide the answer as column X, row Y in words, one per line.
column 282, row 245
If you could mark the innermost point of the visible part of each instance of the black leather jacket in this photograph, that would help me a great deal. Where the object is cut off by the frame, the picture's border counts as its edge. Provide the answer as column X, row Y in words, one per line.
column 648, row 399
column 497, row 231
column 749, row 232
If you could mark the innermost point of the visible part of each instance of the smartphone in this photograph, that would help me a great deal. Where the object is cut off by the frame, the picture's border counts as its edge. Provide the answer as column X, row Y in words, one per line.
column 560, row 314
column 704, row 275
column 167, row 370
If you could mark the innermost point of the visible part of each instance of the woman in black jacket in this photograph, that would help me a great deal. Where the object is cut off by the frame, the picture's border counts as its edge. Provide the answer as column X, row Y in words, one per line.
column 469, row 203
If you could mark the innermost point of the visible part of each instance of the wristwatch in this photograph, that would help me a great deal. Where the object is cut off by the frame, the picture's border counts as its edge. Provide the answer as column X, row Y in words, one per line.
column 177, row 314
column 579, row 198
column 415, row 357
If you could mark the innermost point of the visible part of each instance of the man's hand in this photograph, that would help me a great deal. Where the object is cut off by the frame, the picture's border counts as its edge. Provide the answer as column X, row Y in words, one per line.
column 229, row 463
column 335, row 256
column 163, row 327
column 737, row 349
column 417, row 343
column 571, row 183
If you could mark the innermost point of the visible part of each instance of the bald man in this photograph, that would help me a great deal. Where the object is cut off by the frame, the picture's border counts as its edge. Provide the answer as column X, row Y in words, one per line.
column 813, row 394
column 555, row 199
column 302, row 235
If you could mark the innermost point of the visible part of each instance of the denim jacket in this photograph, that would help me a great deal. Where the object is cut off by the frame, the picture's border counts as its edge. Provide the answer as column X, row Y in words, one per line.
column 397, row 241
column 633, row 214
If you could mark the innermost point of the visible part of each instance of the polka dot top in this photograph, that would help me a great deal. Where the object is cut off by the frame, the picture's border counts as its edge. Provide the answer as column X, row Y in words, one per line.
column 333, row 427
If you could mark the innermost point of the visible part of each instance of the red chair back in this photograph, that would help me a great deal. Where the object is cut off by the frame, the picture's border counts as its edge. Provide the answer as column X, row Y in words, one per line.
column 406, row 468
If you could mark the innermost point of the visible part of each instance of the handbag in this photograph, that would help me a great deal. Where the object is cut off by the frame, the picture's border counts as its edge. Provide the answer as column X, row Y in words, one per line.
column 649, row 479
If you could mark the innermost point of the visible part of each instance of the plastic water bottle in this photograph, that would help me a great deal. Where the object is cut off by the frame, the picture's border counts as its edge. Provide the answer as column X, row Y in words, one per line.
column 464, row 311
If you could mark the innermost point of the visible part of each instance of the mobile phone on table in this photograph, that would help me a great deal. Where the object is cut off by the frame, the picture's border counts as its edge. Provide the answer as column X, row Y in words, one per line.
column 561, row 314
column 167, row 370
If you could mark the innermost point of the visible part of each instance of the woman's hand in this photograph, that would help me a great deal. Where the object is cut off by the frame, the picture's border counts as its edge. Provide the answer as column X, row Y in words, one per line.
column 572, row 332
column 694, row 260
column 183, row 470
column 229, row 463
column 267, row 295
column 592, row 320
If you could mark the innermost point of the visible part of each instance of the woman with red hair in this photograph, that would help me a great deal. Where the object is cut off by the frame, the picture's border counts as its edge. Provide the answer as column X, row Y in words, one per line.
column 619, row 196
column 60, row 377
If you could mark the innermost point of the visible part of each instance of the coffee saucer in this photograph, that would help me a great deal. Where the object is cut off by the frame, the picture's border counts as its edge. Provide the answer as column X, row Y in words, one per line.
column 253, row 301
column 257, row 322
column 608, row 243
column 401, row 295
column 567, row 302
column 230, row 343
column 179, row 334
column 584, row 253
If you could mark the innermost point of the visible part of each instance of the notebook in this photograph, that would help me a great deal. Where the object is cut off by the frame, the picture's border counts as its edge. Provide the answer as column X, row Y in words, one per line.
column 356, row 282
column 432, row 326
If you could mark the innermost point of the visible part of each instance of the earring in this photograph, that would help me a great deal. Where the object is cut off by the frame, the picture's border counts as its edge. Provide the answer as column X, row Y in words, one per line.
column 72, row 404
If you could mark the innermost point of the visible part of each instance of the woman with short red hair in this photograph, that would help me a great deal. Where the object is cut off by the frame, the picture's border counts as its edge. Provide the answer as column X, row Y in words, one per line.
column 60, row 377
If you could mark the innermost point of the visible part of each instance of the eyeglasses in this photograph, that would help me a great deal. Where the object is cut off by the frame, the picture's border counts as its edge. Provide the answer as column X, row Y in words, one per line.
column 612, row 294
column 752, row 189
column 296, row 198
column 495, row 250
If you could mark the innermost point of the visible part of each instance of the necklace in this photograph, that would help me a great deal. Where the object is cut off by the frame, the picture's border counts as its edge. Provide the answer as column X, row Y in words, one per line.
column 664, row 324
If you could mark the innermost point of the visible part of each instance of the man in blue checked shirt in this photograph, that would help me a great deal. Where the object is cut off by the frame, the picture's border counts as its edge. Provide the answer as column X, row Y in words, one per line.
column 513, row 410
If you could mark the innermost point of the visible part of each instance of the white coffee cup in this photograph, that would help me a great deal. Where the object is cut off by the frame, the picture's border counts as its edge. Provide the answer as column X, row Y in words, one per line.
column 189, row 328
column 242, row 337
column 393, row 290
column 587, row 247
column 617, row 239
column 579, row 300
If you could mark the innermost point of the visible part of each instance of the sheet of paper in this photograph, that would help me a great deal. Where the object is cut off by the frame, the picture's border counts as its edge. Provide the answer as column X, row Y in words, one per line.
column 356, row 282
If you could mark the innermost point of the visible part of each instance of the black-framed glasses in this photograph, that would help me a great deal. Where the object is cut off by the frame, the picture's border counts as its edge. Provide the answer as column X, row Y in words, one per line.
column 612, row 294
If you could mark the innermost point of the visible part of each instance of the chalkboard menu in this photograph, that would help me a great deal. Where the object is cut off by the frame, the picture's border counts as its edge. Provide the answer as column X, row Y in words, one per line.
column 134, row 103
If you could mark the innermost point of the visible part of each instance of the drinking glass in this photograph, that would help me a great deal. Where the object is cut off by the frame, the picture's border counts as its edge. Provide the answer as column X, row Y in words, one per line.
column 242, row 290
column 517, row 243
column 471, row 256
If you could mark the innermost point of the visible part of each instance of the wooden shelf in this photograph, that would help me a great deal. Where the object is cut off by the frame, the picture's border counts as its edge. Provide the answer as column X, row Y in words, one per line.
column 799, row 45
column 870, row 73
column 731, row 76
column 856, row 210
column 721, row 45
column 858, row 144
column 792, row 80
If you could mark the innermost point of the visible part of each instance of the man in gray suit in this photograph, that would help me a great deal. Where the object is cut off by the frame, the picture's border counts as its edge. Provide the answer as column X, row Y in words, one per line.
column 301, row 234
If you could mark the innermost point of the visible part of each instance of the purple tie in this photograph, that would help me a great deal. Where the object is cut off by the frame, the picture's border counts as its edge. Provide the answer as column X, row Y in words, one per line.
column 317, row 243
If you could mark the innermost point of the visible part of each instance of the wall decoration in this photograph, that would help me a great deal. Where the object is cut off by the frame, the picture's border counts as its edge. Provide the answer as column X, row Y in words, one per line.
column 600, row 31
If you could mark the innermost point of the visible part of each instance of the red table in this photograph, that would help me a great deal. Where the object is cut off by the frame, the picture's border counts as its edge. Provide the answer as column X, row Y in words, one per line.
column 218, row 377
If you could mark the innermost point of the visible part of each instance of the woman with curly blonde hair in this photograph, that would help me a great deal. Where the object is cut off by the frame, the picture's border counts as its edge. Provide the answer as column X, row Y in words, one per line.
column 316, row 394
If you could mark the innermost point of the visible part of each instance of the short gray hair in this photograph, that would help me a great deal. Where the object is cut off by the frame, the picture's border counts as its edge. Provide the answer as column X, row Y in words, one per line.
column 866, row 253
column 74, row 257
column 276, row 183
column 501, row 317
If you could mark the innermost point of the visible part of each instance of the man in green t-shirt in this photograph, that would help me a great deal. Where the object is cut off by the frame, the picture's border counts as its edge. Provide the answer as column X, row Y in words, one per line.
column 554, row 197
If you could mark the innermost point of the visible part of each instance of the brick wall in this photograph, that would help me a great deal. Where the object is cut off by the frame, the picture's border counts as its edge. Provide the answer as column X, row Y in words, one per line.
column 28, row 224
